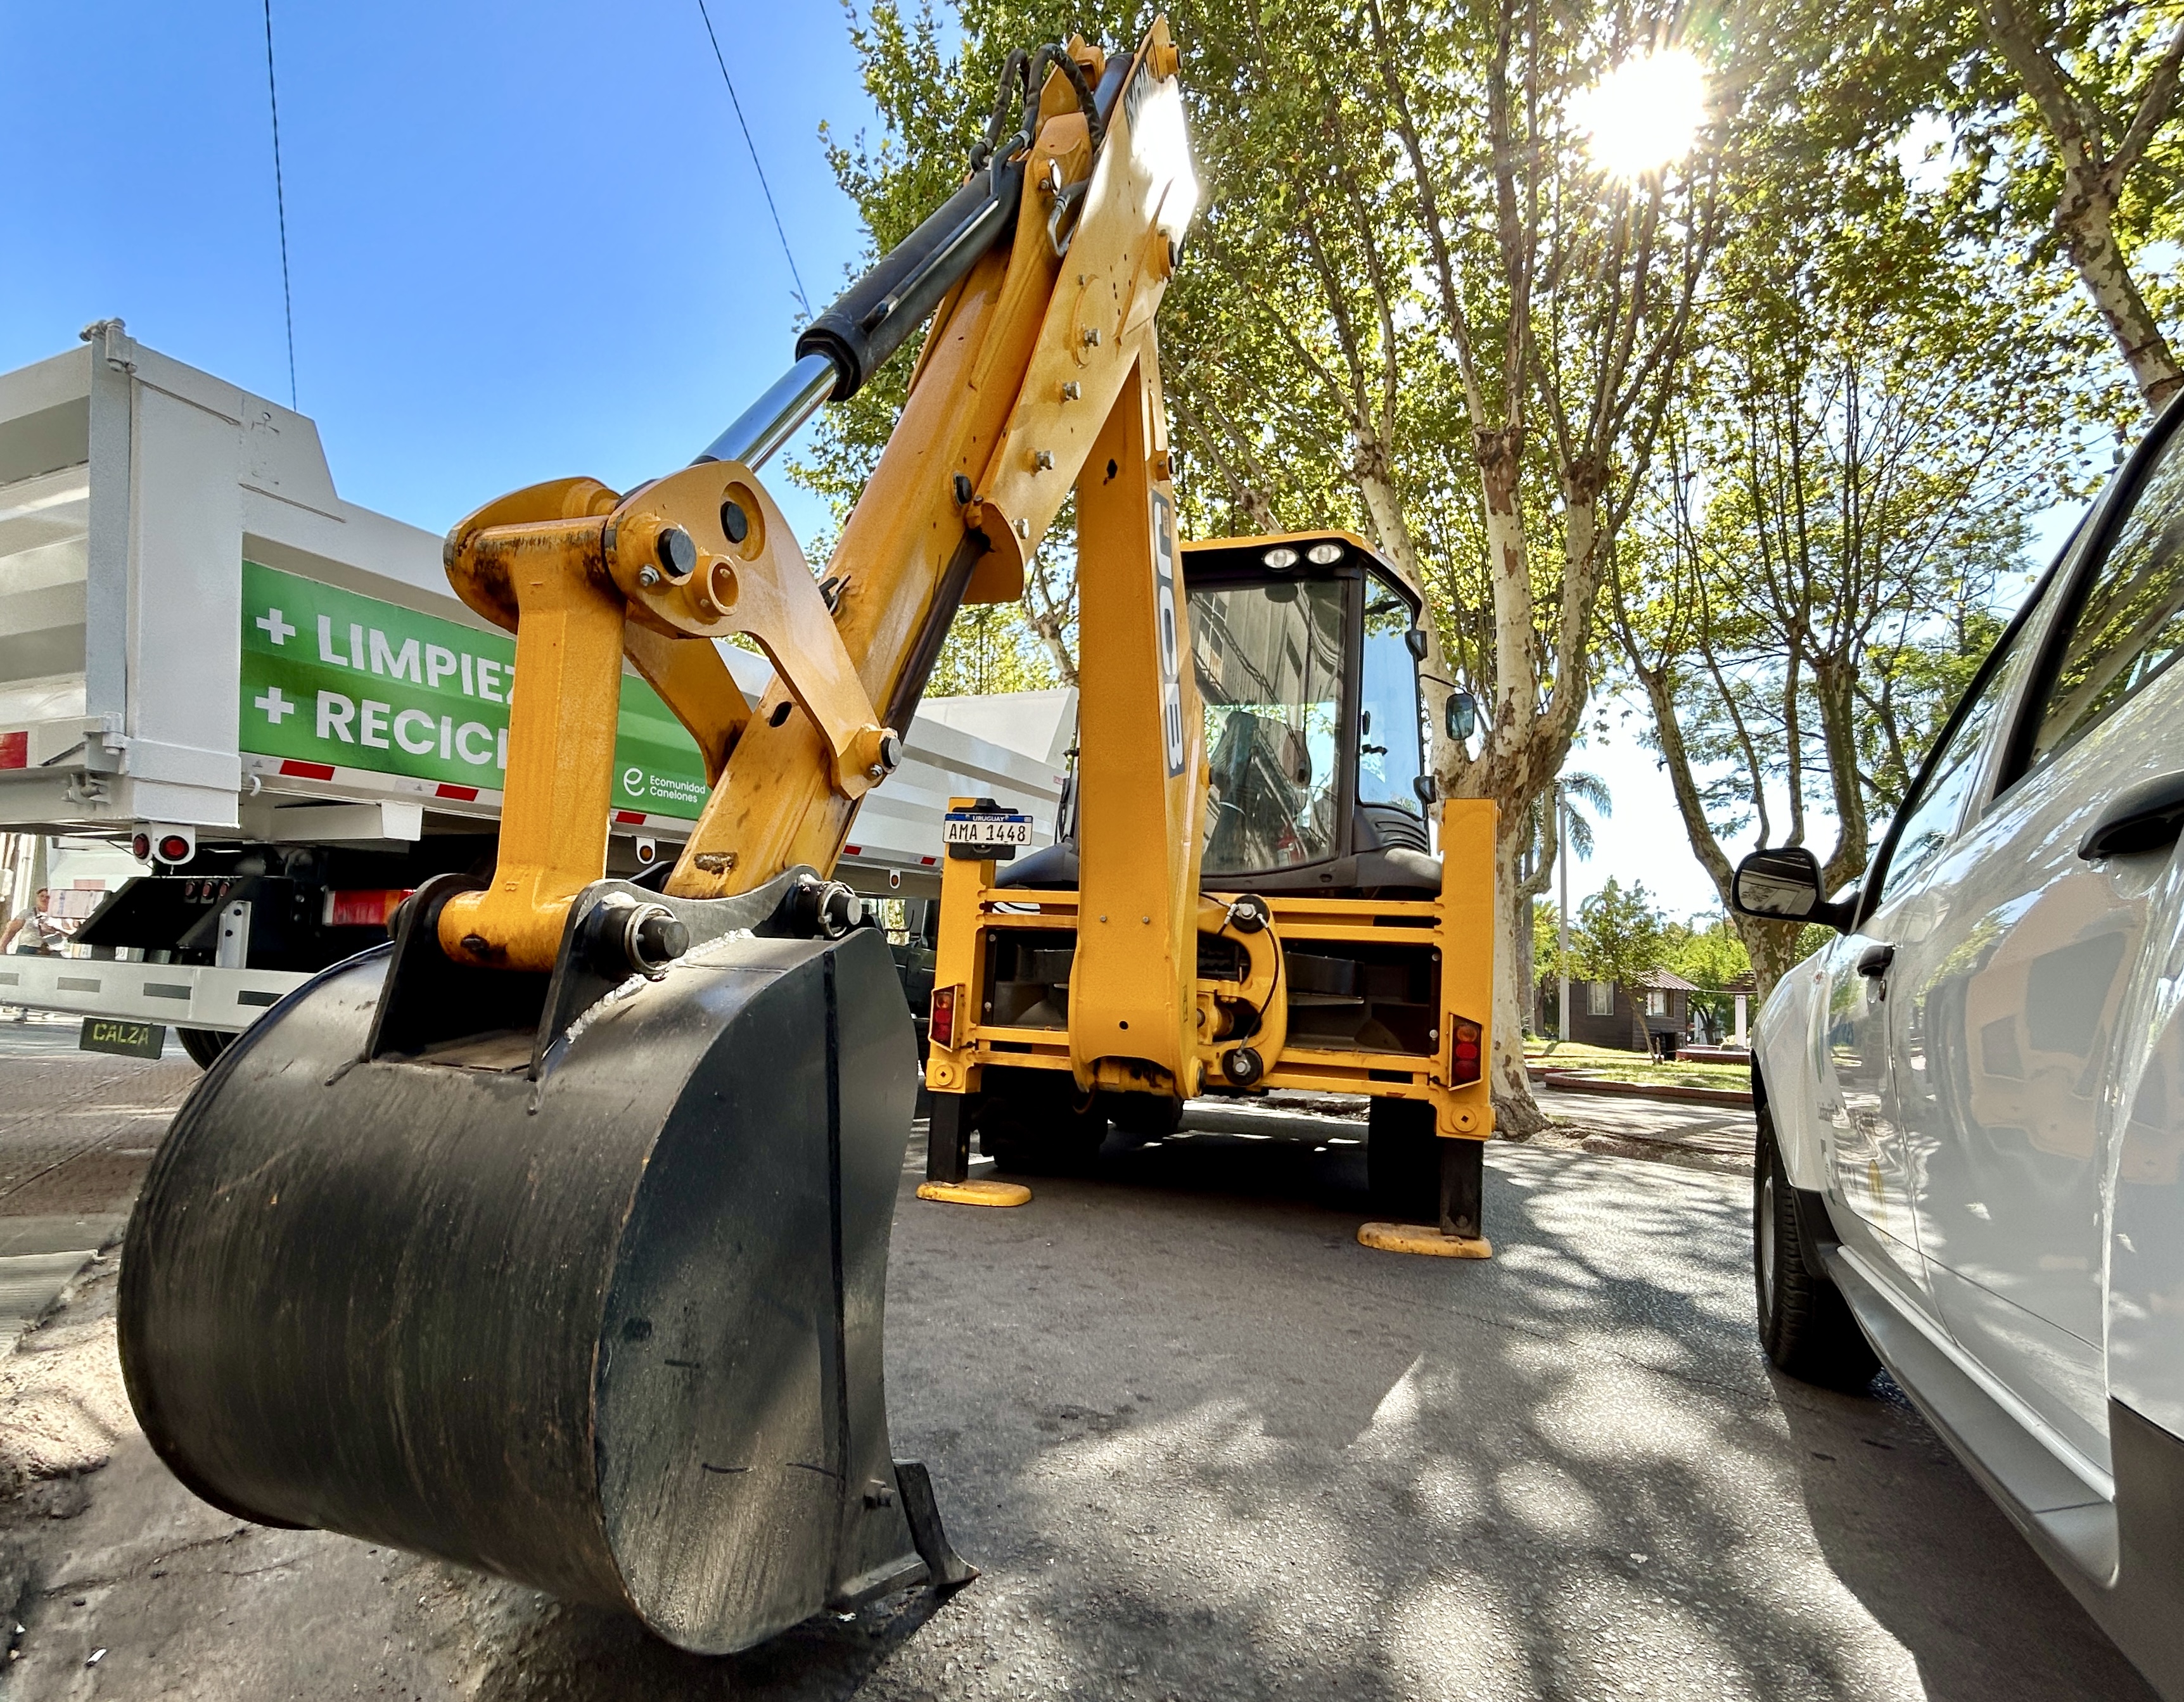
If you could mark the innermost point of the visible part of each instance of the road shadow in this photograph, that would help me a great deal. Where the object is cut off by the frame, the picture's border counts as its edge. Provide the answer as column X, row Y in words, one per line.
column 1936, row 1561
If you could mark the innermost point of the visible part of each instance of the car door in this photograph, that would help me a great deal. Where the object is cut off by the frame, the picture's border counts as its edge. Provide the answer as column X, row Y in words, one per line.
column 1866, row 1156
column 1872, row 1034
column 2010, row 985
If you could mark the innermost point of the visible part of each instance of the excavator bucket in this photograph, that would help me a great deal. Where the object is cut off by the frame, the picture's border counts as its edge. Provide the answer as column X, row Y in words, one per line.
column 611, row 1328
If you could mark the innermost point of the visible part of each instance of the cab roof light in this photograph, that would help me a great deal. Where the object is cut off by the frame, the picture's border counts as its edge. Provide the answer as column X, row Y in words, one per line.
column 1279, row 556
column 1324, row 555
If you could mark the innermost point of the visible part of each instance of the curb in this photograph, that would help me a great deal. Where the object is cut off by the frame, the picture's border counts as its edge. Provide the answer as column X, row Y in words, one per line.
column 1570, row 1082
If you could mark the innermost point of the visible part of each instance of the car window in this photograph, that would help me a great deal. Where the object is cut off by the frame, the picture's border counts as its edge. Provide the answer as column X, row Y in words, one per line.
column 2130, row 625
column 1939, row 804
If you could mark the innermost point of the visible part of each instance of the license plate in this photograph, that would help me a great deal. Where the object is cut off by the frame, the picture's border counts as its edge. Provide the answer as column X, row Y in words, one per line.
column 986, row 832
column 130, row 1039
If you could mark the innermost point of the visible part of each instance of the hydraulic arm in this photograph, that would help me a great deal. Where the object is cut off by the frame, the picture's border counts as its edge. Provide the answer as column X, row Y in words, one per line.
column 552, row 1237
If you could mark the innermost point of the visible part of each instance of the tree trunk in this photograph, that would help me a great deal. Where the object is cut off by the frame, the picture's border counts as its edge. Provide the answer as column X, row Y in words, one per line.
column 2084, row 221
column 1515, row 1114
column 1773, row 947
column 1528, row 976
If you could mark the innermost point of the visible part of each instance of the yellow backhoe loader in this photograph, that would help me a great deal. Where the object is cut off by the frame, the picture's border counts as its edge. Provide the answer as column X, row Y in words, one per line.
column 551, row 1237
column 1242, row 896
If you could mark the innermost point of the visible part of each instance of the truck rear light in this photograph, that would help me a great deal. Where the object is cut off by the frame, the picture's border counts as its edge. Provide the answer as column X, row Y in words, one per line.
column 362, row 908
column 1464, row 1060
column 161, row 842
column 943, row 1030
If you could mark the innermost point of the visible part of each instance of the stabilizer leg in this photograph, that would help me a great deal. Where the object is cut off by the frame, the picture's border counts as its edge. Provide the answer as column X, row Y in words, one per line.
column 947, row 1159
column 949, row 1570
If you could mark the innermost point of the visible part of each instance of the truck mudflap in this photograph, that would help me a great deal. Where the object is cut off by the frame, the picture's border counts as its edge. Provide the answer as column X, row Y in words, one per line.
column 600, row 1311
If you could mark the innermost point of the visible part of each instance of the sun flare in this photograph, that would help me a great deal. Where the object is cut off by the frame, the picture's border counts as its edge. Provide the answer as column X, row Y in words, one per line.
column 1644, row 114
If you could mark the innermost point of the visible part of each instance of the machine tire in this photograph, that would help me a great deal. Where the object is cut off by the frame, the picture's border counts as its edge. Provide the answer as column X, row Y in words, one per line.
column 1403, row 1160
column 204, row 1044
column 1805, row 1324
column 1148, row 1117
column 1035, row 1129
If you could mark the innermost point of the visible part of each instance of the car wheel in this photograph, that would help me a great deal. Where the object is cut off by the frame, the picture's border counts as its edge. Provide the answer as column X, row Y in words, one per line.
column 1403, row 1160
column 1805, row 1324
column 204, row 1044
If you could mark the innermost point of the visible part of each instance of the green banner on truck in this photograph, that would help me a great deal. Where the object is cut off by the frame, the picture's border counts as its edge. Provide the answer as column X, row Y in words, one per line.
column 334, row 678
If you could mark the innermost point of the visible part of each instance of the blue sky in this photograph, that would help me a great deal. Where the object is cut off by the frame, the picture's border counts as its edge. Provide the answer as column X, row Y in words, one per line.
column 525, row 240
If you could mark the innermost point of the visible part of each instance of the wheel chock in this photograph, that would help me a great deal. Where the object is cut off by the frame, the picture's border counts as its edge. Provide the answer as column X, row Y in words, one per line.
column 1416, row 1237
column 976, row 1192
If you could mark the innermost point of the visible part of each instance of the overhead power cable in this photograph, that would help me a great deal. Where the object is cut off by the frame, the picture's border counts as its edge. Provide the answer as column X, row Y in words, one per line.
column 281, row 204
column 721, row 60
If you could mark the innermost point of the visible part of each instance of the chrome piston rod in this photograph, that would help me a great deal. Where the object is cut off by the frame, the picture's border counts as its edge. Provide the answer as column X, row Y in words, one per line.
column 772, row 420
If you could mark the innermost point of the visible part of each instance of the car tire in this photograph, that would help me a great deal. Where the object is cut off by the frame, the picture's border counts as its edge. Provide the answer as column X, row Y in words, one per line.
column 204, row 1044
column 1403, row 1160
column 1805, row 1324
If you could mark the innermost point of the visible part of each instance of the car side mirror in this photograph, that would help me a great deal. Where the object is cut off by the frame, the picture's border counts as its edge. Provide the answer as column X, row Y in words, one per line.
column 1462, row 715
column 1783, row 885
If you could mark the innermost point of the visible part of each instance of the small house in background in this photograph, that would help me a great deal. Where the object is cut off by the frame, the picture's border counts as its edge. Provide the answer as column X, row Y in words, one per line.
column 1603, row 1012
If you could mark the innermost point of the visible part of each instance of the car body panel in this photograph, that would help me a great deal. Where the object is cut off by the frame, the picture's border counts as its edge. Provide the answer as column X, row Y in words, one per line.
column 1786, row 1046
column 2145, row 1300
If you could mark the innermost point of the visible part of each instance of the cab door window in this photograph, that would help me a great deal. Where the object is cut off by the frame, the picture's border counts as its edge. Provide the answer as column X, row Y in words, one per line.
column 2129, row 628
column 1390, row 752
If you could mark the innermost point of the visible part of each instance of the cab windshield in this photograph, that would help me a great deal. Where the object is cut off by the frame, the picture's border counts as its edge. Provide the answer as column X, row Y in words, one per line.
column 1269, row 665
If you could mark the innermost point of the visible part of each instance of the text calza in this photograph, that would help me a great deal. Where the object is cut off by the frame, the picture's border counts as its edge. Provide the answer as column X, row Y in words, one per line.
column 374, row 724
column 433, row 665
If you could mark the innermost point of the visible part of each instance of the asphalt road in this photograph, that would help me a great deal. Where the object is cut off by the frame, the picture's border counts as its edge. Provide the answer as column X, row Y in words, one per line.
column 1203, row 1445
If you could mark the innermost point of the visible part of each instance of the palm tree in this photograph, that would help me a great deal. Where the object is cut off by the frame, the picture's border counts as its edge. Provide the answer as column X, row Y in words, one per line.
column 1574, row 793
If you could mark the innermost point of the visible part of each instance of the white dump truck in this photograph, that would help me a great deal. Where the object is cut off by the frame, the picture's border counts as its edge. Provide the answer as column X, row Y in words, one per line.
column 271, row 697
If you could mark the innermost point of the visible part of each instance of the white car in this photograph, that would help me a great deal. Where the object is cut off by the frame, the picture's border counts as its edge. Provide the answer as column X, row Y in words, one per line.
column 1971, row 1104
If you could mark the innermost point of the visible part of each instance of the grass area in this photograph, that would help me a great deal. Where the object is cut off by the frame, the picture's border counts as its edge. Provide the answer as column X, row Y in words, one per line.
column 1633, row 1066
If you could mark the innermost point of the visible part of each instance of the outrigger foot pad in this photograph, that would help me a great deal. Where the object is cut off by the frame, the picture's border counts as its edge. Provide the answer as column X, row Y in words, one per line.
column 1419, row 1238
column 949, row 1570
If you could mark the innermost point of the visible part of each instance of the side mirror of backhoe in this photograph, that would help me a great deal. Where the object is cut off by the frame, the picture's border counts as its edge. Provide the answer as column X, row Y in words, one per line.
column 1783, row 885
column 1462, row 715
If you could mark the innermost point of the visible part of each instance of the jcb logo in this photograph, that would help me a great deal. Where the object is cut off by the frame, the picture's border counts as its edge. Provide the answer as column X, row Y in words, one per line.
column 1170, row 625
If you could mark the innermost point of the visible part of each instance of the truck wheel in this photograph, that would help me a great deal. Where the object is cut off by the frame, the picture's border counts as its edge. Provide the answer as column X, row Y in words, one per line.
column 204, row 1044
column 1148, row 1116
column 1805, row 1324
column 1038, row 1130
column 1403, row 1160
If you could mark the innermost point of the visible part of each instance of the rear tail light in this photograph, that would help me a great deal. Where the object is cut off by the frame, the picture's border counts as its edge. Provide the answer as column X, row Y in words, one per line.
column 366, row 907
column 943, row 1031
column 1464, row 1060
